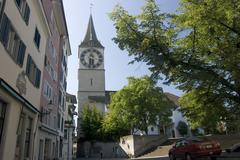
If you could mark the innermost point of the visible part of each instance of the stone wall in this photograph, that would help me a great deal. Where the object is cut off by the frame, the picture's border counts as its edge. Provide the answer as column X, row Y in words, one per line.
column 102, row 150
column 135, row 145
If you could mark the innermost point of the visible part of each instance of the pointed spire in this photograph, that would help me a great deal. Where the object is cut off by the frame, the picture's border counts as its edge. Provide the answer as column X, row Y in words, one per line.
column 90, row 39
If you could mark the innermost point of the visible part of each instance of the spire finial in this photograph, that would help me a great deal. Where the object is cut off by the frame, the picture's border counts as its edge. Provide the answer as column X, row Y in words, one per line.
column 91, row 5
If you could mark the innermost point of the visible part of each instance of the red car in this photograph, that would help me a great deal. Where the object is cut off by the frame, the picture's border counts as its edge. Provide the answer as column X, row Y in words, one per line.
column 191, row 148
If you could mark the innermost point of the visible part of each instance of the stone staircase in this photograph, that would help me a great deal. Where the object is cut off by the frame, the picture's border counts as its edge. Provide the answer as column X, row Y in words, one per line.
column 161, row 150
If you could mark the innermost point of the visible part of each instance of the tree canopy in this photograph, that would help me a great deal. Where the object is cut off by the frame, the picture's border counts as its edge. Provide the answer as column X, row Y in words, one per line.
column 196, row 49
column 200, row 113
column 137, row 106
column 182, row 128
column 92, row 123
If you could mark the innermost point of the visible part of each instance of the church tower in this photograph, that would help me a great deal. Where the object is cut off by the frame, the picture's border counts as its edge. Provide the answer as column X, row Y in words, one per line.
column 91, row 73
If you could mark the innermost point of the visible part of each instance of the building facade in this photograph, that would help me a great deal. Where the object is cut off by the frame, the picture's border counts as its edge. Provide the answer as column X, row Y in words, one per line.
column 54, row 83
column 23, row 37
column 69, row 126
column 34, row 48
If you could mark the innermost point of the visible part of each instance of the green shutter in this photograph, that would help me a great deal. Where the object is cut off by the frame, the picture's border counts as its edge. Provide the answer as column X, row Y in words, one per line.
column 38, row 78
column 26, row 13
column 21, row 53
column 18, row 2
column 29, row 61
column 4, row 30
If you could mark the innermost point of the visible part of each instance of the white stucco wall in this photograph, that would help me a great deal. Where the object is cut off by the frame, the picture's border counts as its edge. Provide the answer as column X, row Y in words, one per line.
column 9, row 70
column 177, row 116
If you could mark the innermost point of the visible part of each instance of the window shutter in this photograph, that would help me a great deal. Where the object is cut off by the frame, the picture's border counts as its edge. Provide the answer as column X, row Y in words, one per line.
column 29, row 61
column 26, row 13
column 4, row 30
column 37, row 38
column 38, row 78
column 45, row 61
column 18, row 2
column 21, row 53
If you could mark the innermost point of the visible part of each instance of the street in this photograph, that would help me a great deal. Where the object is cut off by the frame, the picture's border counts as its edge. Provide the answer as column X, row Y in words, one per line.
column 156, row 158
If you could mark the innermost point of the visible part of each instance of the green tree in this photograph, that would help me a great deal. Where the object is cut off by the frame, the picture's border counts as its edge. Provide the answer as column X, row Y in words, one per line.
column 182, row 128
column 137, row 106
column 92, row 123
column 200, row 112
column 196, row 49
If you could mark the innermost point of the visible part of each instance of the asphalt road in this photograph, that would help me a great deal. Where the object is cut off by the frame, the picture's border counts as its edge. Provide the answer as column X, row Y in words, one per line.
column 153, row 158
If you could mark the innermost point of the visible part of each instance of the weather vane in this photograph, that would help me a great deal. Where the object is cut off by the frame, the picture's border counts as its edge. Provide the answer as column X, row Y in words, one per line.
column 91, row 5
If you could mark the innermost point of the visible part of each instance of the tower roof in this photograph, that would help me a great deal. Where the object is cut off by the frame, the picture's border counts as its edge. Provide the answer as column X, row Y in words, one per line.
column 90, row 39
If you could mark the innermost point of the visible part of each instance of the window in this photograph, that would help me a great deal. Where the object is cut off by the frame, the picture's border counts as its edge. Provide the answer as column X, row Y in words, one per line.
column 53, row 149
column 37, row 38
column 62, row 124
column 59, row 118
column 33, row 73
column 65, row 85
column 1, row 2
column 52, row 51
column 40, row 154
column 50, row 69
column 26, row 14
column 24, row 9
column 60, row 98
column 11, row 41
column 24, row 136
column 65, row 133
column 5, row 30
column 152, row 129
column 2, row 117
column 20, row 131
column 28, row 138
column 47, row 90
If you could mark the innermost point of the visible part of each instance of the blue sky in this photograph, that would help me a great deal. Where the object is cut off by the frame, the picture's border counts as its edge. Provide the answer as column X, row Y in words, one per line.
column 116, row 61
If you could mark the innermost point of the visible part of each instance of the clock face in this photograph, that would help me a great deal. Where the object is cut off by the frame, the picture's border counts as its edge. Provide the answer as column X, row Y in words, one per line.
column 91, row 58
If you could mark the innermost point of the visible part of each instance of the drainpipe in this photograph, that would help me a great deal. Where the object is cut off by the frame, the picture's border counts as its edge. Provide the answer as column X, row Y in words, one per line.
column 34, row 136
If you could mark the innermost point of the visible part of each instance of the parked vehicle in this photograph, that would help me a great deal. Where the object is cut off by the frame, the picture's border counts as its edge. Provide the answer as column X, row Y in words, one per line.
column 234, row 149
column 232, row 153
column 191, row 148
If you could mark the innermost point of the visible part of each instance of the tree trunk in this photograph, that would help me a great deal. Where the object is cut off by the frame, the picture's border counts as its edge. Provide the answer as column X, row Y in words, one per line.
column 146, row 130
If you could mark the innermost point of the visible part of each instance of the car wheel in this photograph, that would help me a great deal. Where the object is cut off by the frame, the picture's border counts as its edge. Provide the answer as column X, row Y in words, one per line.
column 188, row 157
column 171, row 157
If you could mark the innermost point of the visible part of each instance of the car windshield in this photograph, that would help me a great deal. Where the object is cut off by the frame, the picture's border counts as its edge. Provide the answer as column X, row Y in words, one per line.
column 196, row 139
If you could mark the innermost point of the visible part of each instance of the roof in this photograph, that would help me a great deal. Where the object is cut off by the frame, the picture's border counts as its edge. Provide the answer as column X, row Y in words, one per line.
column 90, row 39
column 172, row 98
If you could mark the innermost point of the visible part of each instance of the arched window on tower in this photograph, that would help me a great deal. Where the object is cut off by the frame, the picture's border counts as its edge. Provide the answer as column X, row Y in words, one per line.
column 91, row 59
